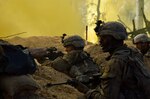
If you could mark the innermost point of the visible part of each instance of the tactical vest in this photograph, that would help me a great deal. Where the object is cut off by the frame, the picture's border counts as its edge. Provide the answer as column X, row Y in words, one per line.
column 16, row 61
column 76, row 63
column 141, row 75
column 147, row 58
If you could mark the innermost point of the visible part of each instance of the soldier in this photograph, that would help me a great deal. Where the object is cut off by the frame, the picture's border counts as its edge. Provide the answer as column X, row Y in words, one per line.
column 17, row 82
column 118, row 79
column 142, row 42
column 76, row 63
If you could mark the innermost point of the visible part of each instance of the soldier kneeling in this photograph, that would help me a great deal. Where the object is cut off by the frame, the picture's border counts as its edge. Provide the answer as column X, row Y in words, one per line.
column 17, row 65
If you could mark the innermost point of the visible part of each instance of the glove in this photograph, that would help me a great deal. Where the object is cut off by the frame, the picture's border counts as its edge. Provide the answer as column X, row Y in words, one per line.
column 51, row 49
column 83, row 79
column 78, row 85
column 53, row 55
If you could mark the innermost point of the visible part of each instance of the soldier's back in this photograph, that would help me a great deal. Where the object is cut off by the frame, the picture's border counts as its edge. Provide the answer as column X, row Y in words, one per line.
column 147, row 58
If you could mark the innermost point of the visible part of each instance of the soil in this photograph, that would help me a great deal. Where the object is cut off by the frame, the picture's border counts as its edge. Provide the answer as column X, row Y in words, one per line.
column 45, row 74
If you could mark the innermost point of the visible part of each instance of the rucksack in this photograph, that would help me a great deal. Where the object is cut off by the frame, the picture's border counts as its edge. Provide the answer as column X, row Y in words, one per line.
column 141, row 73
column 18, row 60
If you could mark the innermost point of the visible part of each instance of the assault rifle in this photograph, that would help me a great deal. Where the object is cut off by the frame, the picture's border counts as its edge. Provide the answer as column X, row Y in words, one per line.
column 53, row 53
column 73, row 82
column 78, row 84
column 62, row 37
column 41, row 54
column 99, row 24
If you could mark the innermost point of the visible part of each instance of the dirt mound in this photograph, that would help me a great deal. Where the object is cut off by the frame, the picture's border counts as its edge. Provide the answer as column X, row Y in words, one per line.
column 46, row 74
column 38, row 41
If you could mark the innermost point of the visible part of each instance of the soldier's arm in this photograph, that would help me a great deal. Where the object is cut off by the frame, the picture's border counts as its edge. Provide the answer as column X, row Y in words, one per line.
column 64, row 63
column 1, row 51
column 38, row 52
column 61, row 64
column 3, row 59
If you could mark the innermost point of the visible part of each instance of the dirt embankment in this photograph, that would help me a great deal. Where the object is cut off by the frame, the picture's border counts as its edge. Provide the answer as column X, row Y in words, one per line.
column 45, row 74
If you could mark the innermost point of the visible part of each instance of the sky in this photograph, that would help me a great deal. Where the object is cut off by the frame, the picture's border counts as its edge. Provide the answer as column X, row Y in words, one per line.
column 55, row 17
column 39, row 17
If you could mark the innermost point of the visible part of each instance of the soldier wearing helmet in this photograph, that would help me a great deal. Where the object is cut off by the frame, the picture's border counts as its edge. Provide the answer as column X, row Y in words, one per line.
column 76, row 63
column 142, row 42
column 117, row 80
column 75, row 40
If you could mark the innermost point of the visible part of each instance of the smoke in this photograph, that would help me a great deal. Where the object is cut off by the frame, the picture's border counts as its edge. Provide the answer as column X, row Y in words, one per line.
column 81, row 6
column 111, row 10
column 54, row 17
column 126, row 9
column 146, row 8
column 40, row 17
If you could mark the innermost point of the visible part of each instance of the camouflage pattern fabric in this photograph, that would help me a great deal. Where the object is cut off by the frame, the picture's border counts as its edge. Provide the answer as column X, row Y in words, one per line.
column 75, row 63
column 147, row 58
column 117, row 80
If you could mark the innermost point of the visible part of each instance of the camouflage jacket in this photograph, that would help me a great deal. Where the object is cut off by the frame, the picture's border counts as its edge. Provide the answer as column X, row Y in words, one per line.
column 117, row 80
column 147, row 58
column 75, row 63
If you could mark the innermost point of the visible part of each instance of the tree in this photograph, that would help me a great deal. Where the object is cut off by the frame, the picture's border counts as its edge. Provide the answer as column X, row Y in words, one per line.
column 92, row 15
column 98, row 10
column 139, row 16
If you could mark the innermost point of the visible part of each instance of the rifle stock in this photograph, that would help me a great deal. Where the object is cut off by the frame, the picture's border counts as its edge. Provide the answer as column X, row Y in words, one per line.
column 55, row 84
column 78, row 85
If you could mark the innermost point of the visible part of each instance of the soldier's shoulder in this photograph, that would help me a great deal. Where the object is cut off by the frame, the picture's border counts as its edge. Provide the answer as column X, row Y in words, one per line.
column 121, row 54
column 134, row 49
column 148, row 53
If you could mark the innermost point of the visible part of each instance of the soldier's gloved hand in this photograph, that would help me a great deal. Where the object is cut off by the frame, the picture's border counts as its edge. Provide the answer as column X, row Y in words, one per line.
column 53, row 55
column 59, row 53
column 78, row 85
column 83, row 78
column 51, row 49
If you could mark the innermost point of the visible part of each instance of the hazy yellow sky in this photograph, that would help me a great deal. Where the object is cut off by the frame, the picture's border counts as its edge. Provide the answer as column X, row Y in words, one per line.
column 54, row 17
column 39, row 17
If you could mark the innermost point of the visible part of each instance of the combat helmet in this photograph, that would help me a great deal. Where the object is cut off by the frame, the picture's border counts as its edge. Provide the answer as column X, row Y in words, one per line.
column 115, row 29
column 75, row 41
column 141, row 38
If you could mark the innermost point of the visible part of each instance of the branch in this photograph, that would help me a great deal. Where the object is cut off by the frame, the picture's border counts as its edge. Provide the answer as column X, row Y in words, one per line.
column 119, row 19
column 13, row 35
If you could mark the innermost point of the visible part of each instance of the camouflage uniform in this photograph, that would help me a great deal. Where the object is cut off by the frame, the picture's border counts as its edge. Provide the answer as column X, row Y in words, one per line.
column 143, row 38
column 147, row 58
column 76, row 63
column 14, row 86
column 115, row 83
column 118, row 80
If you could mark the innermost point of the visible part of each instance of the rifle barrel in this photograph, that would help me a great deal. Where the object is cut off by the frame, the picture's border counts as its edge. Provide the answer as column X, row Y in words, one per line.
column 50, row 84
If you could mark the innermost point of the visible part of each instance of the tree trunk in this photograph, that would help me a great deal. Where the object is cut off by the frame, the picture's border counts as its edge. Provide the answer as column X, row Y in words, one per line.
column 98, row 10
column 139, row 16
